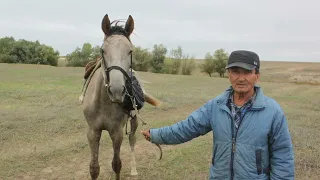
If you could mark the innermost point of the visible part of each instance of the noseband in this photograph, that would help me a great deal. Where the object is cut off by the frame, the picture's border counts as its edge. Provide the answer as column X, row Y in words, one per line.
column 108, row 69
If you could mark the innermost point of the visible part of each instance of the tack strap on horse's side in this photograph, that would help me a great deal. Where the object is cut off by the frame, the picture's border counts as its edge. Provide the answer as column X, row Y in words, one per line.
column 87, row 81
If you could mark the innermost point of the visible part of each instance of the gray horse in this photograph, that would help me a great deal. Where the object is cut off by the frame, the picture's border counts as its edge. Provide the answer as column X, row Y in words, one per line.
column 102, row 103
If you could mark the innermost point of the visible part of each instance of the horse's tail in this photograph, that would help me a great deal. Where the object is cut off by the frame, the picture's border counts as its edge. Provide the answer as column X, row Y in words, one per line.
column 151, row 100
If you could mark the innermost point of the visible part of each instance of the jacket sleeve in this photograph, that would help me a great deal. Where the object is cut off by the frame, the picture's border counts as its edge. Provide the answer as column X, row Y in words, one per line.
column 196, row 124
column 281, row 150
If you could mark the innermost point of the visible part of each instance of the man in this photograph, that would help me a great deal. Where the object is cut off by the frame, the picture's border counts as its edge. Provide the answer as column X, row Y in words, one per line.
column 251, row 135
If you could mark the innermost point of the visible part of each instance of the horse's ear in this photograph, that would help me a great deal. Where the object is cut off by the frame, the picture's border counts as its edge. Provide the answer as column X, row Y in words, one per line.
column 105, row 25
column 129, row 25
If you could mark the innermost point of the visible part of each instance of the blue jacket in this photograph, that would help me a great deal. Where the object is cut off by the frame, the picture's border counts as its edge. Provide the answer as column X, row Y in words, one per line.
column 262, row 147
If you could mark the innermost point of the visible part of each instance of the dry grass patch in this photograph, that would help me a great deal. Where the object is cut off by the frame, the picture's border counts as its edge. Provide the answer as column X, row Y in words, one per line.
column 42, row 129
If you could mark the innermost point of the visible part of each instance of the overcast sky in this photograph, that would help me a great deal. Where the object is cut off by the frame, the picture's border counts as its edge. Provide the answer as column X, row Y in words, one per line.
column 279, row 30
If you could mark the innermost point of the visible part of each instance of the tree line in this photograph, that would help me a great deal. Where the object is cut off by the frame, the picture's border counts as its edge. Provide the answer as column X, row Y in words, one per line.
column 158, row 59
column 27, row 52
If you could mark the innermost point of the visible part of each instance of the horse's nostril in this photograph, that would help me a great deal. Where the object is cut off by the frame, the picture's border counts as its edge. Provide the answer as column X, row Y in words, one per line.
column 116, row 92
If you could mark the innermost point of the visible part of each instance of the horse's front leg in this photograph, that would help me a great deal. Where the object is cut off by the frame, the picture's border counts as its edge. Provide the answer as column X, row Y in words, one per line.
column 94, row 141
column 116, row 135
column 132, row 141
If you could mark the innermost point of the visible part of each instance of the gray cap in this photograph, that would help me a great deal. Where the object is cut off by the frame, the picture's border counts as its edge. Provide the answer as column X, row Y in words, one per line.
column 244, row 59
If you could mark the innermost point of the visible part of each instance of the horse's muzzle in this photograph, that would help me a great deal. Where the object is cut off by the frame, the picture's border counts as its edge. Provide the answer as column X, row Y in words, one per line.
column 116, row 93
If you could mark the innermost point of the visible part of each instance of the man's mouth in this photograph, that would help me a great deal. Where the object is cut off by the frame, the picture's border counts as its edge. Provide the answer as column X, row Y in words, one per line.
column 241, row 84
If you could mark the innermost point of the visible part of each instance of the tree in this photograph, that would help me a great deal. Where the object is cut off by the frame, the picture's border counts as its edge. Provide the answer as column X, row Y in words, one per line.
column 6, row 45
column 80, row 57
column 95, row 53
column 52, row 56
column 208, row 66
column 215, row 63
column 158, row 55
column 141, row 59
column 188, row 65
column 27, row 52
column 220, row 61
column 176, row 55
column 75, row 58
column 86, row 50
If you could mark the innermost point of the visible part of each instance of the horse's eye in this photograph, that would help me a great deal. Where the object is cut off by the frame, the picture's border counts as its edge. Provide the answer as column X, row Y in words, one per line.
column 130, row 52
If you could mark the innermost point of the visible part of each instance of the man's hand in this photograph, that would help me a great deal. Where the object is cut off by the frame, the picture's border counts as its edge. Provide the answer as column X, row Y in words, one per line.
column 146, row 134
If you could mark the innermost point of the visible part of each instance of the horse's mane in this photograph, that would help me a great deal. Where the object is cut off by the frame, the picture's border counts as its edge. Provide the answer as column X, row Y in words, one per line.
column 118, row 29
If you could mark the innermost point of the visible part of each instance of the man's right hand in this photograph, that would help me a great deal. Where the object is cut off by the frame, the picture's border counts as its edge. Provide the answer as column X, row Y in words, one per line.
column 146, row 134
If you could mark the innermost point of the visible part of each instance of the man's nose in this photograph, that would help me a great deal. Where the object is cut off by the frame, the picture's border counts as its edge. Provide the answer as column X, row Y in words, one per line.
column 242, row 76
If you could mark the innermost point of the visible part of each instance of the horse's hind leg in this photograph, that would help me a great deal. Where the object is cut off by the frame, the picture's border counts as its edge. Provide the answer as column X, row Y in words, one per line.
column 117, row 137
column 132, row 141
column 94, row 139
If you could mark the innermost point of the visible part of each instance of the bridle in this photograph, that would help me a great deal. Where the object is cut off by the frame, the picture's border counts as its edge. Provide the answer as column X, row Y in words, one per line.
column 108, row 69
column 128, row 81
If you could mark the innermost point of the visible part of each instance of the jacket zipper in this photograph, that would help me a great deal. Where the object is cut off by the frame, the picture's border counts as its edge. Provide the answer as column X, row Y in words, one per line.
column 233, row 148
column 234, row 139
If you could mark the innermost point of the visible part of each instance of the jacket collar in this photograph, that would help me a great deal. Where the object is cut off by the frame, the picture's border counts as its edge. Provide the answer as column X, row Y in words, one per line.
column 259, row 102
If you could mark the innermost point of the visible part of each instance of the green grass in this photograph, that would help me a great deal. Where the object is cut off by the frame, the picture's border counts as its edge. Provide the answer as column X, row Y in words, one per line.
column 42, row 128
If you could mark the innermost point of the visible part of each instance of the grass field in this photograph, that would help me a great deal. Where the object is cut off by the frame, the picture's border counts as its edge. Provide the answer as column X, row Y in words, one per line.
column 42, row 128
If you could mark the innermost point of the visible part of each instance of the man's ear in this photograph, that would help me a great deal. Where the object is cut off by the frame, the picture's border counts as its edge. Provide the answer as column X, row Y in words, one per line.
column 228, row 71
column 258, row 78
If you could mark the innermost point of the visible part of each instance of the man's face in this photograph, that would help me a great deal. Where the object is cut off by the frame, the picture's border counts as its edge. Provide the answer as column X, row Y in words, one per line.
column 242, row 80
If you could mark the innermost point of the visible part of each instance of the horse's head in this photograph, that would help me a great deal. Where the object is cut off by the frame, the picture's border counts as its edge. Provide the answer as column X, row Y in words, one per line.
column 116, row 52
